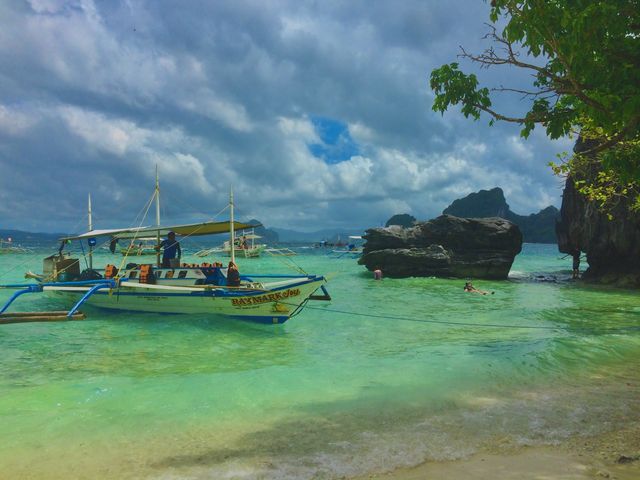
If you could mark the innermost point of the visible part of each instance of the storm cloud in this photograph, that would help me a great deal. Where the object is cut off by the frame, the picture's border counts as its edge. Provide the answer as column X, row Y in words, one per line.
column 318, row 114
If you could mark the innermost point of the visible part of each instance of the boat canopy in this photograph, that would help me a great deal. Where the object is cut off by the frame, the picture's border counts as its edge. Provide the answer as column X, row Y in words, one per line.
column 192, row 229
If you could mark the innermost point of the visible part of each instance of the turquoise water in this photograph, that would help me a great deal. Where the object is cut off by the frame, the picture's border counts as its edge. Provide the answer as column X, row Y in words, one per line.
column 388, row 374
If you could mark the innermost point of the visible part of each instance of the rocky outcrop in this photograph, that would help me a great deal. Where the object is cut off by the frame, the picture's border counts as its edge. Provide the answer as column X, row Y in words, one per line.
column 482, row 204
column 447, row 246
column 403, row 219
column 612, row 246
column 535, row 228
column 268, row 235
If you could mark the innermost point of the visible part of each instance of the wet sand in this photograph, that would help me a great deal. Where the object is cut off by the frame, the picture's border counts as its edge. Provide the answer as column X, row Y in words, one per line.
column 614, row 455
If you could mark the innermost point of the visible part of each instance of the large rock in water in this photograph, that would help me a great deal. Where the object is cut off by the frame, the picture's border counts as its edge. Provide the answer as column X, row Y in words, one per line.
column 612, row 246
column 447, row 246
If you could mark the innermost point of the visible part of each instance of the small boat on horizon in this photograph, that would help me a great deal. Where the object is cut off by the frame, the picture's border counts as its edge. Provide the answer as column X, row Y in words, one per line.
column 353, row 249
column 8, row 247
column 140, row 247
column 244, row 246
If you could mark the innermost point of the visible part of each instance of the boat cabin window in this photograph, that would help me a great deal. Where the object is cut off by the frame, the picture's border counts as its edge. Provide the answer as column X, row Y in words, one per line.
column 182, row 274
column 133, row 274
column 158, row 273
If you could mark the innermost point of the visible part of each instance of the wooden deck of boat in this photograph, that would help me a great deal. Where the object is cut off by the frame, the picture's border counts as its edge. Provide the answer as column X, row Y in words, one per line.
column 25, row 317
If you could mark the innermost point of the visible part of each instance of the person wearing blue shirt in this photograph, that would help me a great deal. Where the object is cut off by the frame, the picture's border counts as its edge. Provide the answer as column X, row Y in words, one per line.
column 171, row 249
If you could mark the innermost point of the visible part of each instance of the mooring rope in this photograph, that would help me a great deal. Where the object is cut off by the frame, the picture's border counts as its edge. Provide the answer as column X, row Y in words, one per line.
column 135, row 235
column 466, row 324
column 441, row 322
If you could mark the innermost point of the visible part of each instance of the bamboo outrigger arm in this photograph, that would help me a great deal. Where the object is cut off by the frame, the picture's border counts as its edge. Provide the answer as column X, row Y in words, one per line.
column 39, row 287
column 91, row 291
column 34, row 288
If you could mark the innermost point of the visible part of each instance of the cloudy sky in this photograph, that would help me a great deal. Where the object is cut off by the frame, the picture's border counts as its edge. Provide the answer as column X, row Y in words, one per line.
column 317, row 113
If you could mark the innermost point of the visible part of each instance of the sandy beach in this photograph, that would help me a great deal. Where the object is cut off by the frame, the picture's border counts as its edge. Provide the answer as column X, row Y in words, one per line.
column 614, row 455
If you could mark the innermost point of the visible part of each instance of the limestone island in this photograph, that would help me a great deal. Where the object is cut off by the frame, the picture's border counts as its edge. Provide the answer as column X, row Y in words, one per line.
column 446, row 246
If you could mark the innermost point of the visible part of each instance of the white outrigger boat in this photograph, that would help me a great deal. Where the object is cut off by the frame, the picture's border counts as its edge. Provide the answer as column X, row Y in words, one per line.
column 244, row 246
column 183, row 289
column 142, row 246
column 7, row 246
column 353, row 250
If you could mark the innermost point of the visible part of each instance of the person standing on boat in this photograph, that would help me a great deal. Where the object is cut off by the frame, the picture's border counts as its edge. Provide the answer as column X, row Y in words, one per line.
column 171, row 250
column 233, row 275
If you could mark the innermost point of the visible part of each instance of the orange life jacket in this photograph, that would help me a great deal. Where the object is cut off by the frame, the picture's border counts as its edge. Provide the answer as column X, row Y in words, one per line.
column 110, row 271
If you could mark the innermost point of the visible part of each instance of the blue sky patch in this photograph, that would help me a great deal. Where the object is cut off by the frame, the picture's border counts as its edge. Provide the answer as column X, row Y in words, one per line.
column 337, row 145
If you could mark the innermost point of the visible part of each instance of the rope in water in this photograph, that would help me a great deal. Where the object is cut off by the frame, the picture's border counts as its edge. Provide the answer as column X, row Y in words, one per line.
column 15, row 267
column 467, row 324
column 441, row 322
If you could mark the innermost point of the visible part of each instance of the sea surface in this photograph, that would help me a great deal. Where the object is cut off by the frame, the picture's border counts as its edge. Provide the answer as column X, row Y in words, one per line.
column 388, row 374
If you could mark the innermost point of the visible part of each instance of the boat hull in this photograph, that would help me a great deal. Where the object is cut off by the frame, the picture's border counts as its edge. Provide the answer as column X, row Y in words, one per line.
column 272, row 306
column 245, row 252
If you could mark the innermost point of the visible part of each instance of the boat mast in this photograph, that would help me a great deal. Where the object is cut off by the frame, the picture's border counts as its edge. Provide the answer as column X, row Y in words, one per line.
column 232, row 233
column 157, row 196
column 90, row 229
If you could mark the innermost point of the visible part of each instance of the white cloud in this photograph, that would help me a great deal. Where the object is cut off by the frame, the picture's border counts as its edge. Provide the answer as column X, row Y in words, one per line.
column 14, row 121
column 50, row 6
column 353, row 177
column 223, row 94
column 361, row 133
column 300, row 129
column 521, row 151
column 112, row 136
column 206, row 103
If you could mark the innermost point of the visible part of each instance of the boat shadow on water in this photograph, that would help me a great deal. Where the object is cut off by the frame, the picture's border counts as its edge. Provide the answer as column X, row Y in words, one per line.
column 209, row 323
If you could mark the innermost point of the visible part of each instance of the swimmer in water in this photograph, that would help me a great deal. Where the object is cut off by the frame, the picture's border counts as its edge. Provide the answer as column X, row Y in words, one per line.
column 468, row 287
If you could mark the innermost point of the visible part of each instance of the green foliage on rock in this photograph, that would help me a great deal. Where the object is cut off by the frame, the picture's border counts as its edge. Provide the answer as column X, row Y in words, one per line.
column 584, row 57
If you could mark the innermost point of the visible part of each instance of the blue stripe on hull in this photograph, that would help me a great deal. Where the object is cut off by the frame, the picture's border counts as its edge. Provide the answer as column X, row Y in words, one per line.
column 202, row 302
column 260, row 319
column 214, row 292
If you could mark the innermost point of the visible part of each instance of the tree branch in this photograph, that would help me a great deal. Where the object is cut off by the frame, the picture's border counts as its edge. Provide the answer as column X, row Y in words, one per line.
column 566, row 85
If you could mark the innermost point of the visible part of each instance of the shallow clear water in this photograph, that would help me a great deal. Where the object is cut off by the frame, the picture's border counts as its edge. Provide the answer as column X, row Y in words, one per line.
column 388, row 374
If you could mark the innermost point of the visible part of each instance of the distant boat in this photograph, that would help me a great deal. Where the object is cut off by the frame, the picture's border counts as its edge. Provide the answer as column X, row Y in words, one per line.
column 280, row 252
column 140, row 247
column 245, row 246
column 353, row 249
column 208, row 288
column 8, row 247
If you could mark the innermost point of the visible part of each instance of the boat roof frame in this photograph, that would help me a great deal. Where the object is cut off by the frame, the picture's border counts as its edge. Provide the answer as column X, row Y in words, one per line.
column 191, row 230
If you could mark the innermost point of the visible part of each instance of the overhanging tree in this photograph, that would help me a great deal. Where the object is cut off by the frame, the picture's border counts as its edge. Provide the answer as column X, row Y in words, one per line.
column 584, row 60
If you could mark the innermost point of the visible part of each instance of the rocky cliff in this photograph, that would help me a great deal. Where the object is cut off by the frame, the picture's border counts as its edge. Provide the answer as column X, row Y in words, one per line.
column 536, row 228
column 403, row 219
column 612, row 246
column 269, row 235
column 447, row 246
